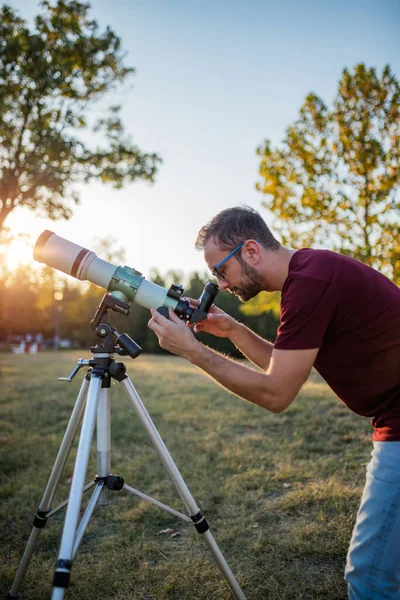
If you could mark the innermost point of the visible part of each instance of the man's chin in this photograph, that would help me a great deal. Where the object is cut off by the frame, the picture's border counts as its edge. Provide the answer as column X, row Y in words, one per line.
column 244, row 297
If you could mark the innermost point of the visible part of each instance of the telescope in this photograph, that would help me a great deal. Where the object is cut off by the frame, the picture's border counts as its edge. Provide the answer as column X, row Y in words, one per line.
column 123, row 283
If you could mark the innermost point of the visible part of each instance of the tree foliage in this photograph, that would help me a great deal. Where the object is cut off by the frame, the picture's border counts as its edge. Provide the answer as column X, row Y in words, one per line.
column 335, row 179
column 50, row 80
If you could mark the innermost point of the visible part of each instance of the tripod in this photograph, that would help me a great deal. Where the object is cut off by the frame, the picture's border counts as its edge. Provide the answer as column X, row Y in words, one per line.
column 93, row 403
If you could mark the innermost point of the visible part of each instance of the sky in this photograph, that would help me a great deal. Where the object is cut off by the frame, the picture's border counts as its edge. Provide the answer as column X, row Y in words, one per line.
column 213, row 80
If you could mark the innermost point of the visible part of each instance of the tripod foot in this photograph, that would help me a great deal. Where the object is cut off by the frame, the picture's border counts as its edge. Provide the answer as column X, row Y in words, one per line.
column 9, row 597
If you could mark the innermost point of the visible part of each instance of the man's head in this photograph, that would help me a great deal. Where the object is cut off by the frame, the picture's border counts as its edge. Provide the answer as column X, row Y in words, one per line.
column 234, row 244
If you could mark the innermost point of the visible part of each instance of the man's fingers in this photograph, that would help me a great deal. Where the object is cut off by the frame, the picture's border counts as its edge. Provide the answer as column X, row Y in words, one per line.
column 158, row 317
column 193, row 301
column 209, row 317
column 173, row 317
column 157, row 322
column 160, row 323
column 156, row 327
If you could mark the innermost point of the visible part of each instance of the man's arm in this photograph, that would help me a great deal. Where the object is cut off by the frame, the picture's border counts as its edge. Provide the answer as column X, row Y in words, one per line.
column 254, row 347
column 273, row 390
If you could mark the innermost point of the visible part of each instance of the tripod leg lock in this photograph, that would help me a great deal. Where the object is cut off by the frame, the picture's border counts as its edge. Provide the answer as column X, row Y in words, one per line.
column 200, row 522
column 40, row 519
column 61, row 578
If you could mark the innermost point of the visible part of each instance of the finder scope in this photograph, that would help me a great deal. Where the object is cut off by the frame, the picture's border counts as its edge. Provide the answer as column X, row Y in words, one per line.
column 123, row 283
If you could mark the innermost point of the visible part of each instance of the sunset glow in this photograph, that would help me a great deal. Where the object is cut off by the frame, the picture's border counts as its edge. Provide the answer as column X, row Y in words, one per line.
column 18, row 252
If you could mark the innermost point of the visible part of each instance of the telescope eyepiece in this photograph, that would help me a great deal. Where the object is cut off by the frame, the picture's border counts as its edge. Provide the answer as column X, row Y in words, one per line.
column 207, row 298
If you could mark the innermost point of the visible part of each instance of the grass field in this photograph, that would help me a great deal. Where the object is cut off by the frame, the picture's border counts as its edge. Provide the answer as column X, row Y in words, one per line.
column 280, row 491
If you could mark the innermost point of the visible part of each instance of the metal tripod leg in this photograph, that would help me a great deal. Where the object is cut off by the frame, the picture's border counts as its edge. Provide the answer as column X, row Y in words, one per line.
column 104, row 442
column 181, row 487
column 44, row 507
column 64, row 563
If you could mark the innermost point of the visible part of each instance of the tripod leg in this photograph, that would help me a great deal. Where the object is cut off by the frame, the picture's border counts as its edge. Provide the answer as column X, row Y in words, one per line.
column 86, row 517
column 44, row 507
column 64, row 563
column 104, row 442
column 195, row 514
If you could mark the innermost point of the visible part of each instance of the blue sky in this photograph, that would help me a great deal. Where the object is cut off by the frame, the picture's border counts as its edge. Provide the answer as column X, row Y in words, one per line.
column 213, row 79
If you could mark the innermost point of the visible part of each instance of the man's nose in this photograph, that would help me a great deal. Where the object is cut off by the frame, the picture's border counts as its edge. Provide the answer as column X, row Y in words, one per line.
column 223, row 284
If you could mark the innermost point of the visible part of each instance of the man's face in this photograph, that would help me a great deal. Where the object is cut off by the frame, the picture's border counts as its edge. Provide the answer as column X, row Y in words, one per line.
column 240, row 277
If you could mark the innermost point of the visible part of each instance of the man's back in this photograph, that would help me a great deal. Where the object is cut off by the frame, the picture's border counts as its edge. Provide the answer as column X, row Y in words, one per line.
column 352, row 313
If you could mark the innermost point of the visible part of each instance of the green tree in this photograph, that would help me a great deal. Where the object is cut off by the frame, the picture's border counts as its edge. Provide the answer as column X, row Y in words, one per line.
column 334, row 181
column 51, row 78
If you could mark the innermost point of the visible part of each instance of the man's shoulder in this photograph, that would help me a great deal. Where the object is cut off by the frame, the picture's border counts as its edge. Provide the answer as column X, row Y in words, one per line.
column 326, row 264
column 311, row 264
column 313, row 270
column 310, row 276
column 308, row 256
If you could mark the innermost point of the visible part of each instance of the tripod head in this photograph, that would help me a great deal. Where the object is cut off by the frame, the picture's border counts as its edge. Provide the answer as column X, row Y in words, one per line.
column 124, row 344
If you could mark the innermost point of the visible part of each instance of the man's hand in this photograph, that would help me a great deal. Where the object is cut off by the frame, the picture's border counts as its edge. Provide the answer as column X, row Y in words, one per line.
column 218, row 323
column 173, row 334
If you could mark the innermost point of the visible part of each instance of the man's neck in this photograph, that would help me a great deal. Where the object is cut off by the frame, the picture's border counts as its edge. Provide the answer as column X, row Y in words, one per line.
column 278, row 267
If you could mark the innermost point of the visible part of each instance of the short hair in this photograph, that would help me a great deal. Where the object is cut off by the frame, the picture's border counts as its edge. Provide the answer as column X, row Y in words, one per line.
column 232, row 226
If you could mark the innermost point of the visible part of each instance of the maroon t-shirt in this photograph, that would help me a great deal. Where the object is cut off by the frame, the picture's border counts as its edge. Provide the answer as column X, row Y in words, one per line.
column 352, row 314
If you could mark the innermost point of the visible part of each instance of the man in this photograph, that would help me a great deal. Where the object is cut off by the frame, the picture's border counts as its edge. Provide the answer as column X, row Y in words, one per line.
column 337, row 315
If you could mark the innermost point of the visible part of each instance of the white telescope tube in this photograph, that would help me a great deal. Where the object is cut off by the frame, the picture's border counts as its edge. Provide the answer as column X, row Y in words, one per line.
column 150, row 295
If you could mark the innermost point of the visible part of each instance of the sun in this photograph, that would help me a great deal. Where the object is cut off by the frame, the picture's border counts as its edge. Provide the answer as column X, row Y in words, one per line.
column 18, row 252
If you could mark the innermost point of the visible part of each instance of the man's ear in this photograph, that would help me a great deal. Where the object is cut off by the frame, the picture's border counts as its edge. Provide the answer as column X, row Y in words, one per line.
column 252, row 249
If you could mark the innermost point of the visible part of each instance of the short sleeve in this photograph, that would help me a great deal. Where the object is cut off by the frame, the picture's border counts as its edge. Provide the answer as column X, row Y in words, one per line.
column 307, row 309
